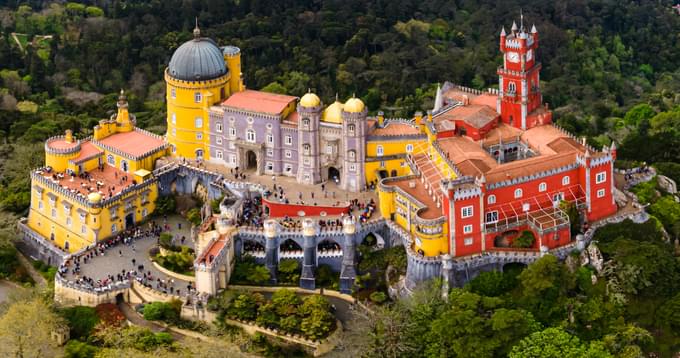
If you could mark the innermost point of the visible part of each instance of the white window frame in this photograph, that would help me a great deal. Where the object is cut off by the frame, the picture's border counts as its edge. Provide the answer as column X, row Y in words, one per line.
column 251, row 137
column 601, row 193
column 198, row 97
column 467, row 229
column 232, row 132
column 491, row 199
column 232, row 158
column 173, row 93
column 288, row 168
column 219, row 154
column 542, row 187
column 468, row 241
column 565, row 180
column 600, row 177
column 269, row 166
column 83, row 229
column 218, row 127
column 288, row 154
column 467, row 211
column 218, row 140
column 352, row 167
column 114, row 228
column 40, row 205
column 270, row 138
column 69, row 222
column 111, row 160
column 519, row 193
column 173, row 118
column 491, row 217
column 124, row 163
column 270, row 152
column 379, row 150
column 288, row 140
column 53, row 212
column 198, row 122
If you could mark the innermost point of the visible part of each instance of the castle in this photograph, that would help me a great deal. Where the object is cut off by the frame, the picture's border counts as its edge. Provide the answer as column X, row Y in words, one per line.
column 469, row 177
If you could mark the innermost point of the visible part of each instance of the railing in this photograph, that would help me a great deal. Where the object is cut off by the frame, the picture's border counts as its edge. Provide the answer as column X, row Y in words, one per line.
column 41, row 240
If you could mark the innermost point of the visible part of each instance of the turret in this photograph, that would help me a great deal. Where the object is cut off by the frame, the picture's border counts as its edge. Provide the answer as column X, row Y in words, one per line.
column 347, row 271
column 123, row 121
column 271, row 232
column 354, row 127
column 309, row 161
column 612, row 150
column 309, row 232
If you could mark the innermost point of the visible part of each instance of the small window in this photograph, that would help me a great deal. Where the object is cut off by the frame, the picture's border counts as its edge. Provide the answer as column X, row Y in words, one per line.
column 83, row 229
column 518, row 193
column 68, row 222
column 198, row 122
column 352, row 167
column 511, row 87
column 306, row 148
column 145, row 212
column 174, row 118
column 124, row 165
column 173, row 93
column 382, row 163
column 270, row 152
column 542, row 187
column 40, row 205
column 269, row 166
column 218, row 127
column 288, row 154
column 305, row 123
column 54, row 212
column 409, row 148
column 600, row 177
column 232, row 132
column 466, row 211
column 491, row 199
column 232, row 158
column 250, row 135
column 198, row 97
column 114, row 228
column 601, row 193
column 232, row 145
column 270, row 139
column 491, row 217
column 174, row 132
column 329, row 149
column 111, row 160
column 350, row 129
column 288, row 168
column 218, row 140
column 288, row 140
column 467, row 229
column 351, row 154
column 219, row 154
column 467, row 241
column 199, row 135
column 379, row 150
column 565, row 180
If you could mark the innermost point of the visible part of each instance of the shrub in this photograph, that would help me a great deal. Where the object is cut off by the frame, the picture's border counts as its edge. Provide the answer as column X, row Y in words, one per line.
column 325, row 277
column 215, row 204
column 180, row 262
column 194, row 216
column 492, row 283
column 646, row 192
column 165, row 241
column 244, row 307
column 289, row 270
column 81, row 320
column 77, row 349
column 161, row 311
column 669, row 169
column 166, row 205
column 525, row 240
column 378, row 297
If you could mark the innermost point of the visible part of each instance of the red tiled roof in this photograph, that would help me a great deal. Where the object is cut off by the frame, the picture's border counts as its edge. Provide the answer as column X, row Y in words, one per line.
column 476, row 115
column 421, row 194
column 61, row 144
column 258, row 101
column 133, row 143
column 526, row 167
column 395, row 128
column 87, row 151
column 486, row 99
column 110, row 177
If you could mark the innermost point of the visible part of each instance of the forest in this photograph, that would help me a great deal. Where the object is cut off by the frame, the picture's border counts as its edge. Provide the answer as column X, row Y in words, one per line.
column 611, row 72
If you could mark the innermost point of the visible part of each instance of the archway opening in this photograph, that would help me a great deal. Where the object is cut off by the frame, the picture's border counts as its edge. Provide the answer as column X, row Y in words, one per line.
column 289, row 249
column 505, row 239
column 374, row 241
column 199, row 154
column 253, row 248
column 328, row 248
column 334, row 175
column 251, row 160
column 129, row 220
column 383, row 174
column 393, row 173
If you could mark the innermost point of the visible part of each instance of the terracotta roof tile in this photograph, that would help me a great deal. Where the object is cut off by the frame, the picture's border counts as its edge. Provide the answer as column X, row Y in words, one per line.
column 476, row 115
column 420, row 193
column 87, row 151
column 133, row 143
column 258, row 101
column 395, row 128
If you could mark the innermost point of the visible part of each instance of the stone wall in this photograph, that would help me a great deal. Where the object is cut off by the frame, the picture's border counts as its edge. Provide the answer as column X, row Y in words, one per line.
column 68, row 293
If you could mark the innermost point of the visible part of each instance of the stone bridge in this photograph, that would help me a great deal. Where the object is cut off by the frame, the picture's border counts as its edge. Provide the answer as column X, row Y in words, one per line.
column 186, row 179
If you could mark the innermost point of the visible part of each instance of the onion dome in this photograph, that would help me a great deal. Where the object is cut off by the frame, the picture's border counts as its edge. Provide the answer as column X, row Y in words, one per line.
column 197, row 60
column 333, row 113
column 94, row 198
column 354, row 105
column 310, row 100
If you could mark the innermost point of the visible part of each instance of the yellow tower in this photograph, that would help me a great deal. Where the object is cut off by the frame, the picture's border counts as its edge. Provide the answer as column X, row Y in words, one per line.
column 199, row 75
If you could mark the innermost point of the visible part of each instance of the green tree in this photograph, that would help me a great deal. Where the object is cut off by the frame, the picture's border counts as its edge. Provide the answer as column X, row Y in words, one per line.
column 26, row 330
column 556, row 343
column 317, row 324
column 244, row 307
column 491, row 283
column 161, row 311
column 638, row 113
column 258, row 275
column 77, row 349
column 543, row 286
column 289, row 270
column 81, row 320
column 285, row 302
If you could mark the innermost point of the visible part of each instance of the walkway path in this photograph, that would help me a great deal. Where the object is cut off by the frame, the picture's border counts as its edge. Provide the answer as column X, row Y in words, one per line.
column 134, row 318
column 112, row 262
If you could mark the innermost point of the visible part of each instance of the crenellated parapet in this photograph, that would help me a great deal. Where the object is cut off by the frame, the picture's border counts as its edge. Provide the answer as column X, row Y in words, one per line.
column 535, row 176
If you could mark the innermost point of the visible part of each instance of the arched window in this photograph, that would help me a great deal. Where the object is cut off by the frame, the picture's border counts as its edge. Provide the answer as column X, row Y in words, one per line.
column 379, row 150
column 305, row 122
column 511, row 87
column 198, row 97
column 174, row 119
column 198, row 122
column 565, row 180
column 111, row 160
column 409, row 148
column 124, row 165
column 542, row 187
column 351, row 154
column 173, row 93
column 114, row 228
column 518, row 193
column 306, row 148
column 350, row 129
column 250, row 135
column 491, row 199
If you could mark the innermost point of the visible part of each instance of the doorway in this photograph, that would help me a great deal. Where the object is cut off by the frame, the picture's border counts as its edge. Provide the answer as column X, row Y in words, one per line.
column 334, row 175
column 129, row 220
column 251, row 160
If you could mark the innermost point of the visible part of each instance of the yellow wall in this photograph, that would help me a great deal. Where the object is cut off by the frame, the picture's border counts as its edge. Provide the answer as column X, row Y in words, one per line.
column 59, row 162
column 183, row 133
column 393, row 147
column 393, row 164
column 42, row 221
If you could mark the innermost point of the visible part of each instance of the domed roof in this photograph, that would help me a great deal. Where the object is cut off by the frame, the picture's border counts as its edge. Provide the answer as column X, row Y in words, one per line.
column 310, row 100
column 94, row 197
column 354, row 105
column 197, row 60
column 333, row 113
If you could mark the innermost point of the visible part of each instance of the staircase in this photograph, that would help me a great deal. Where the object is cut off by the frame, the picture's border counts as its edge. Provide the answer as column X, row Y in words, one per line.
column 430, row 173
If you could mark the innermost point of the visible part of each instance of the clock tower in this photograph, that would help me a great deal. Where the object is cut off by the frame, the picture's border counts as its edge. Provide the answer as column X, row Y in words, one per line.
column 519, row 95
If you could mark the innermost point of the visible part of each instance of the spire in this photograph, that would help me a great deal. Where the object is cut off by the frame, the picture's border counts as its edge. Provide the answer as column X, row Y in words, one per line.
column 613, row 146
column 438, row 100
column 122, row 99
column 197, row 31
column 514, row 27
column 521, row 20
column 503, row 31
column 123, row 121
column 533, row 29
column 336, row 96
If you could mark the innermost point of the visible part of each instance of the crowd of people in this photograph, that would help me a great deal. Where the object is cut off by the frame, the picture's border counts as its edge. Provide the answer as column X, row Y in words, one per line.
column 629, row 174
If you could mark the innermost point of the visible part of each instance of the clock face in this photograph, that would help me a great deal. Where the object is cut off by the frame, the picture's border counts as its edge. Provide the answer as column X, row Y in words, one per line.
column 530, row 55
column 513, row 57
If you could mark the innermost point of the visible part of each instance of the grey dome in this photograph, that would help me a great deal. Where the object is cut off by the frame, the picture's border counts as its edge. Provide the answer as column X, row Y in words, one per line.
column 197, row 60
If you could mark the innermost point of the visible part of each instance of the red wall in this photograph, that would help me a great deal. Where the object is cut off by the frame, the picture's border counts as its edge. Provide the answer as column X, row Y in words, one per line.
column 474, row 220
column 601, row 207
column 279, row 210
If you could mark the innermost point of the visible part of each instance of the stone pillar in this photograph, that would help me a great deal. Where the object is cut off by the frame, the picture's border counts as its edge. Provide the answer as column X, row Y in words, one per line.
column 580, row 242
column 271, row 228
column 447, row 275
column 348, row 271
column 544, row 250
column 309, row 232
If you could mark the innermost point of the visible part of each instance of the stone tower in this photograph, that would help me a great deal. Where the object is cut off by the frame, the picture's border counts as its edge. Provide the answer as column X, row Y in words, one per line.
column 354, row 128
column 309, row 151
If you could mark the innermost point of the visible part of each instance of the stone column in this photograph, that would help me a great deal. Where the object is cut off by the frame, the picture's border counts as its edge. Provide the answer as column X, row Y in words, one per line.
column 348, row 272
column 271, row 228
column 309, row 232
column 447, row 275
